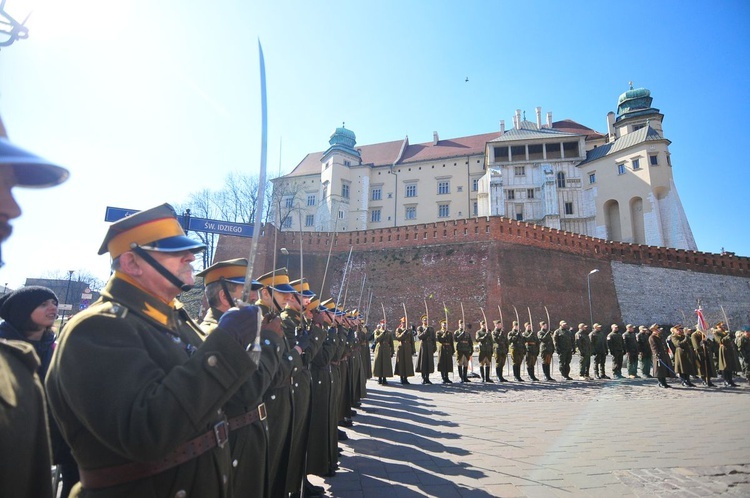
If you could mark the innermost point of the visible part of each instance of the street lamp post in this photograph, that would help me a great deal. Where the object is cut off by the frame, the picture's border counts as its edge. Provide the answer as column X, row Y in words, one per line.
column 67, row 291
column 285, row 252
column 588, row 284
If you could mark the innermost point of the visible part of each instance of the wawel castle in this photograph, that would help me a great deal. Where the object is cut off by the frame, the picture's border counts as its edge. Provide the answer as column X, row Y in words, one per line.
column 616, row 185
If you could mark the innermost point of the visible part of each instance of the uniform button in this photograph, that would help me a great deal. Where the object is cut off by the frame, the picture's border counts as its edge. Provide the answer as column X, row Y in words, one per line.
column 212, row 361
column 289, row 357
column 320, row 382
column 267, row 342
column 273, row 396
column 219, row 411
column 295, row 369
column 180, row 494
column 296, row 384
column 234, row 463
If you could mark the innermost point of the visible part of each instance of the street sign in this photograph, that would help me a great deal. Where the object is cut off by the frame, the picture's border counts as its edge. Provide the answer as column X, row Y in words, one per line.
column 194, row 224
column 86, row 296
column 65, row 307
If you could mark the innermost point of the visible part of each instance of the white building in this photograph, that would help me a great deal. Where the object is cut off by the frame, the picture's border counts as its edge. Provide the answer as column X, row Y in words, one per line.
column 560, row 174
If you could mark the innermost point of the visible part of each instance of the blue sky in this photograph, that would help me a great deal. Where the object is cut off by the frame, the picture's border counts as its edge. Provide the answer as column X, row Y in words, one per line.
column 148, row 101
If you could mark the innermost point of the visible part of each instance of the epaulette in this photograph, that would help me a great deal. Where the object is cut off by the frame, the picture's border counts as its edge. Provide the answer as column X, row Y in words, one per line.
column 23, row 351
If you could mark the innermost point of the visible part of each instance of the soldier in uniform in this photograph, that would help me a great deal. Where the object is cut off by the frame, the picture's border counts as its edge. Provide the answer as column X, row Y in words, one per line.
column 728, row 363
column 24, row 439
column 517, row 350
column 599, row 350
column 500, row 349
column 662, row 363
column 248, row 438
column 616, row 346
column 703, row 357
column 532, row 349
column 382, row 366
column 547, row 349
column 484, row 338
column 445, row 350
column 426, row 357
column 743, row 346
column 464, row 350
column 684, row 357
column 404, row 361
column 631, row 350
column 563, row 342
column 135, row 355
column 644, row 351
column 583, row 345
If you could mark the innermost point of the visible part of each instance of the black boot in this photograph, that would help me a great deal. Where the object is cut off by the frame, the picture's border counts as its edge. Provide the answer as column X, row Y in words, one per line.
column 604, row 375
column 517, row 373
column 487, row 375
column 530, row 371
column 596, row 371
column 547, row 375
column 499, row 372
column 663, row 382
column 481, row 372
column 466, row 374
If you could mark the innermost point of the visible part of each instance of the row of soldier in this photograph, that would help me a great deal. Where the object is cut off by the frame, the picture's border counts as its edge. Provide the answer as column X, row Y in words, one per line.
column 246, row 403
column 684, row 352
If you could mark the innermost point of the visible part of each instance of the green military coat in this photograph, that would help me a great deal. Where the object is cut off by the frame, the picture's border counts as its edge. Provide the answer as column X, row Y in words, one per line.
column 484, row 338
column 404, row 353
column 500, row 346
column 426, row 356
column 445, row 348
column 382, row 366
column 132, row 379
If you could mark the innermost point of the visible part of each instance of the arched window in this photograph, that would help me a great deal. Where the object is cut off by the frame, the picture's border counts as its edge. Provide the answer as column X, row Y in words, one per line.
column 560, row 179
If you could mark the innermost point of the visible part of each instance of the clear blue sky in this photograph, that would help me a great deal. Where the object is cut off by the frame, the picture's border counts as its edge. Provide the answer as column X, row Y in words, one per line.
column 147, row 101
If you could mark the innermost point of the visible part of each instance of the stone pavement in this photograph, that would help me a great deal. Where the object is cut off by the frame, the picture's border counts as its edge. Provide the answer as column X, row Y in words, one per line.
column 594, row 438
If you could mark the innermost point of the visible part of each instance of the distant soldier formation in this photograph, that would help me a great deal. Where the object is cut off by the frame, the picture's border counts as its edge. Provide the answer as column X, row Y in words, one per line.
column 684, row 353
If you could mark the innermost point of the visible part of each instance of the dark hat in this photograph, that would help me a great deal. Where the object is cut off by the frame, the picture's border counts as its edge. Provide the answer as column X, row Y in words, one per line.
column 30, row 170
column 155, row 229
column 17, row 306
column 232, row 270
column 277, row 280
column 302, row 286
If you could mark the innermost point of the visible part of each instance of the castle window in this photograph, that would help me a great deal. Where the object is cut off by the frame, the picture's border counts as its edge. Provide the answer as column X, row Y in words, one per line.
column 347, row 163
column 653, row 160
column 568, row 208
column 475, row 209
column 636, row 164
column 519, row 170
column 510, row 194
column 375, row 215
column 376, row 194
column 287, row 223
column 592, row 178
column 411, row 190
column 443, row 210
column 309, row 220
column 411, row 213
column 529, row 193
column 311, row 200
column 288, row 202
column 475, row 185
column 620, row 169
column 560, row 179
column 459, row 188
column 345, row 190
column 341, row 215
column 444, row 187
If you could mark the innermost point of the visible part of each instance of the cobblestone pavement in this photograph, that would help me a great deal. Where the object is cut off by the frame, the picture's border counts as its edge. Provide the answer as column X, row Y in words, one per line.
column 594, row 438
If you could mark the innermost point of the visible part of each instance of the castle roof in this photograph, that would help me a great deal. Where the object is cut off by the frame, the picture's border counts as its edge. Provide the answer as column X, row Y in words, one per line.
column 645, row 134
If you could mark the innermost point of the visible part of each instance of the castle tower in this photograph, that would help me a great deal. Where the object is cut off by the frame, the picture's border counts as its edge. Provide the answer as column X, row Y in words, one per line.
column 628, row 182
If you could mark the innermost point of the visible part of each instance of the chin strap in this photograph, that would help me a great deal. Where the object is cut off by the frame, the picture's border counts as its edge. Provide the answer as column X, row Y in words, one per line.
column 158, row 267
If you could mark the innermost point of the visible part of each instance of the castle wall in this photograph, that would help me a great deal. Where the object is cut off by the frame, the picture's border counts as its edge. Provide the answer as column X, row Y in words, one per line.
column 486, row 262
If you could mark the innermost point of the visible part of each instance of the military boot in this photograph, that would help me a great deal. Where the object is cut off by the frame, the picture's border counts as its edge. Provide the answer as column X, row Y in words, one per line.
column 517, row 373
column 530, row 371
column 547, row 375
column 487, row 375
column 499, row 372
column 596, row 371
column 481, row 371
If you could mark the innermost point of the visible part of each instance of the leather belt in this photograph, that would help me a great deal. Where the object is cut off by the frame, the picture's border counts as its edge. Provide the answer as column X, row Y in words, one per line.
column 217, row 436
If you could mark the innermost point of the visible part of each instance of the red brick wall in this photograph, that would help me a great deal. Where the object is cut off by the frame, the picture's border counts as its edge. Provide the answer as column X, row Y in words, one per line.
column 478, row 262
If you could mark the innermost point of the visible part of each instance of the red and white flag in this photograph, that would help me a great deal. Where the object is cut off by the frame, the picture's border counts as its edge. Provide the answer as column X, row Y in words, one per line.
column 702, row 325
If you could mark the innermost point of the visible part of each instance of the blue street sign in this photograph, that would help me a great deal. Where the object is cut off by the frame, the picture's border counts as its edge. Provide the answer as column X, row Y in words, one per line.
column 194, row 224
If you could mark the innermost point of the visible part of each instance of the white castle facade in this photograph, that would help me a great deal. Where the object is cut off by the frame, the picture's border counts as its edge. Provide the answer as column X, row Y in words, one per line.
column 616, row 185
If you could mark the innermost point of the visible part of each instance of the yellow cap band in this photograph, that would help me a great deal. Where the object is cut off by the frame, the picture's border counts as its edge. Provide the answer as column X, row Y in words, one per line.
column 228, row 272
column 144, row 234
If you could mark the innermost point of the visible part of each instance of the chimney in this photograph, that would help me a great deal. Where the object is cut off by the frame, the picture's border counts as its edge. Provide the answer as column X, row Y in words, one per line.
column 435, row 138
column 502, row 127
column 549, row 120
column 611, row 126
column 518, row 119
column 538, row 118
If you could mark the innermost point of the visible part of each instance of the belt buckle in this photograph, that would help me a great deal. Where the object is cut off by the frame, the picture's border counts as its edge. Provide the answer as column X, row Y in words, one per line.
column 262, row 411
column 221, row 432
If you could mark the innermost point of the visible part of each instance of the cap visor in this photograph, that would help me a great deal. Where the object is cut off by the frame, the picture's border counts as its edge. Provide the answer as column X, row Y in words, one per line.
column 31, row 170
column 176, row 244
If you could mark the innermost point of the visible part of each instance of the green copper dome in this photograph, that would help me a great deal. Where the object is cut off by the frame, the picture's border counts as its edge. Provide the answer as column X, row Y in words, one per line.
column 634, row 100
column 343, row 137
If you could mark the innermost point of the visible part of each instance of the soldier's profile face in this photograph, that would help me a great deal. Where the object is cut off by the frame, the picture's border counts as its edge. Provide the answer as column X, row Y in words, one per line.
column 9, row 208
